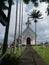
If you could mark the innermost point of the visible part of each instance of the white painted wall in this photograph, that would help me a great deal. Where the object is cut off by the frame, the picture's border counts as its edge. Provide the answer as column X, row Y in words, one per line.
column 32, row 42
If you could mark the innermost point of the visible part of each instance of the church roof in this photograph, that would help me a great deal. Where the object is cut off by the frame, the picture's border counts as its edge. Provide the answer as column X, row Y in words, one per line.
column 28, row 30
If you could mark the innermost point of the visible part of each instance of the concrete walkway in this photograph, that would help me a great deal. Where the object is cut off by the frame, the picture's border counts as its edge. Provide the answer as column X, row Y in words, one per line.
column 30, row 57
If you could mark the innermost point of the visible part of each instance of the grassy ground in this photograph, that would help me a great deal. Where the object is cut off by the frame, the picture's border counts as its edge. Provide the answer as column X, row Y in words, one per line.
column 43, row 52
column 0, row 52
column 12, row 59
column 18, row 51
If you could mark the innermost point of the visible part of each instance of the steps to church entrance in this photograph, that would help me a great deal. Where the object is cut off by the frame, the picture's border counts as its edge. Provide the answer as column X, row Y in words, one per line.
column 30, row 57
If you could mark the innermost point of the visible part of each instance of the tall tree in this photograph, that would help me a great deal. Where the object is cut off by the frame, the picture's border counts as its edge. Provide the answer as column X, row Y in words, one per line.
column 5, row 45
column 19, row 34
column 15, row 34
column 21, row 20
column 3, row 18
column 35, row 15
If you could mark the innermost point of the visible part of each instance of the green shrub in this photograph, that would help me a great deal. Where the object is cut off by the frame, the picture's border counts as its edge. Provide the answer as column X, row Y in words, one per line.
column 10, row 60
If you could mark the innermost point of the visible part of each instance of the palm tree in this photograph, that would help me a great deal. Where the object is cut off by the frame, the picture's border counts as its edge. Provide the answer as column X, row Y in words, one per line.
column 27, row 1
column 33, row 1
column 3, row 18
column 35, row 15
column 48, row 10
column 2, row 5
column 5, row 45
column 19, row 32
column 21, row 21
column 15, row 27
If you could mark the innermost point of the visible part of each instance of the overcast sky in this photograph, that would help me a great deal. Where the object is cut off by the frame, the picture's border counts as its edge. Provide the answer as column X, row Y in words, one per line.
column 42, row 25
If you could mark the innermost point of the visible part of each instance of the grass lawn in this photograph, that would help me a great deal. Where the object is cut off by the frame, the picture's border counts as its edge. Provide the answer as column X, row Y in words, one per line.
column 0, row 52
column 12, row 59
column 43, row 52
column 20, row 51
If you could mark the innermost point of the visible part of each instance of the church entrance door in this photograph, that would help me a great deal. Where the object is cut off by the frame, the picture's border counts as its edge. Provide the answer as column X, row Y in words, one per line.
column 28, row 41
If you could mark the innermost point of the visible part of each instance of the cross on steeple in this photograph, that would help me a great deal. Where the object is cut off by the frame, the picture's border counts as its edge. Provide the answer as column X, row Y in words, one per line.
column 28, row 22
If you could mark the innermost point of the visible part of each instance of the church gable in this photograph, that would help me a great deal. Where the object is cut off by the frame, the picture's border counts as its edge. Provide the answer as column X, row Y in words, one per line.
column 28, row 31
column 28, row 34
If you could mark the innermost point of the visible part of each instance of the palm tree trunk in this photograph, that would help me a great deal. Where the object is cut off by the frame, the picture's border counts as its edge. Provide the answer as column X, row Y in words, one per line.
column 15, row 41
column 35, row 33
column 19, row 25
column 5, row 45
column 21, row 21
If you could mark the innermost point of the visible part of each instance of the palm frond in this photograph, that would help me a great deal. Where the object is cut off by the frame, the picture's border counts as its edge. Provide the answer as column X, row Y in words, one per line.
column 48, row 10
column 42, row 0
column 26, row 1
column 2, row 4
column 36, row 4
column 35, row 14
column 3, row 22
column 3, row 15
column 33, row 1
column 3, row 18
column 10, row 1
column 47, row 1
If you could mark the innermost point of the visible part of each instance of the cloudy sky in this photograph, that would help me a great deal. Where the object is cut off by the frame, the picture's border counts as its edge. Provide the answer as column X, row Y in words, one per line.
column 42, row 25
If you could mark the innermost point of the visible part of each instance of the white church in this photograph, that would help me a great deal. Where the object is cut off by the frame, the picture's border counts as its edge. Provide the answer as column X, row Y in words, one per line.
column 28, row 35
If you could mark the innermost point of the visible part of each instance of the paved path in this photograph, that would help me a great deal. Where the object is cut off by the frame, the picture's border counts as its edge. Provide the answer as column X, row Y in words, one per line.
column 30, row 57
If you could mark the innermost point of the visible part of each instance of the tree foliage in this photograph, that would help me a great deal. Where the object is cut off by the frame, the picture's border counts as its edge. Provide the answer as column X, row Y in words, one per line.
column 3, row 6
column 35, row 14
column 33, row 1
column 47, row 1
column 3, row 18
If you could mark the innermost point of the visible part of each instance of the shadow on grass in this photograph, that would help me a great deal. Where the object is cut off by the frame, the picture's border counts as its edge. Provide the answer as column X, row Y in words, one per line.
column 10, row 60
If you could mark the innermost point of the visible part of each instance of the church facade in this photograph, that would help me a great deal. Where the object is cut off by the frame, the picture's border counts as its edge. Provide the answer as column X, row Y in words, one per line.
column 28, row 35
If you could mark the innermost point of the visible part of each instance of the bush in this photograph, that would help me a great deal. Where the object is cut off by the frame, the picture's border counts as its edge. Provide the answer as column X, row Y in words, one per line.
column 10, row 60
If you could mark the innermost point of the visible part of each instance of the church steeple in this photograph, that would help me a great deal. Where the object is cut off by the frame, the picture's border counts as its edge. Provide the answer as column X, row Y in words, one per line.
column 28, row 23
